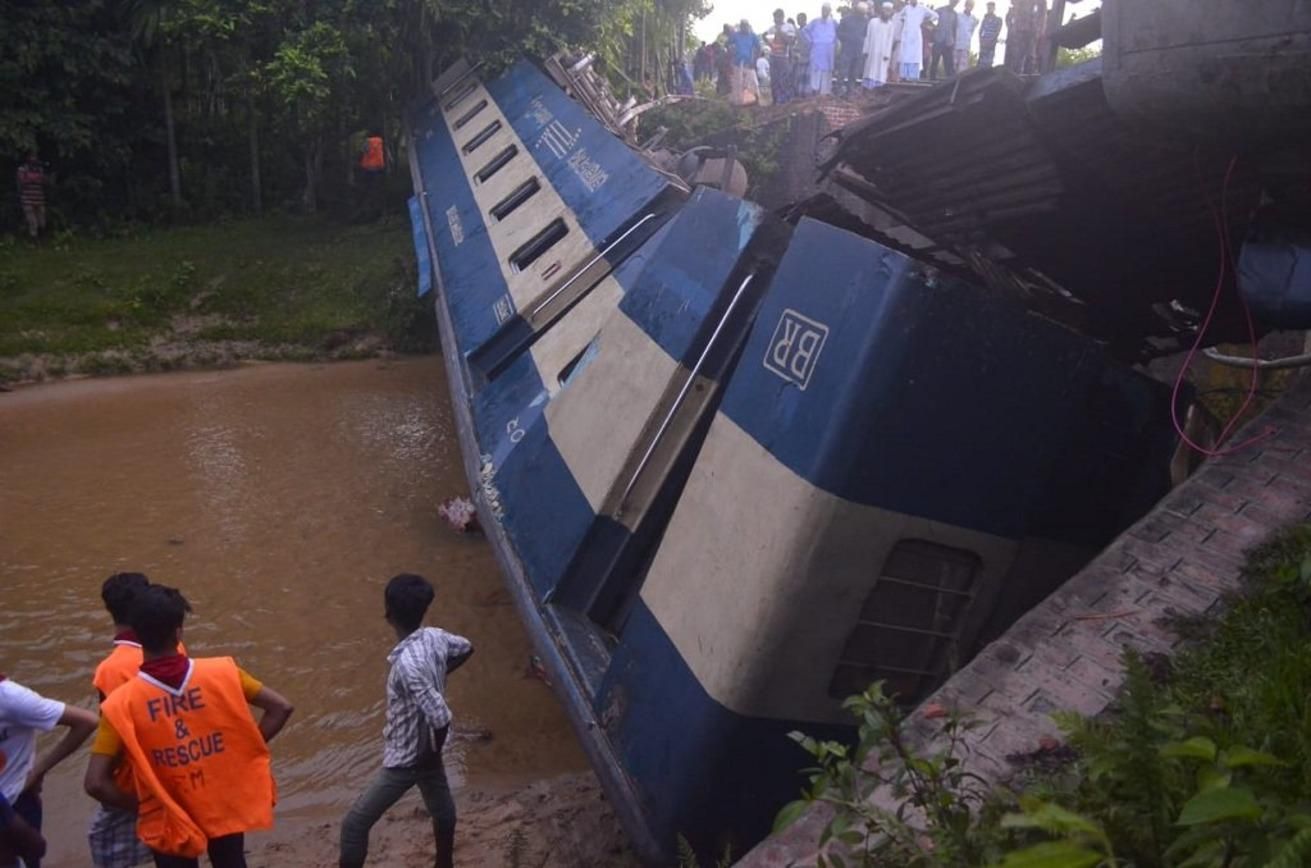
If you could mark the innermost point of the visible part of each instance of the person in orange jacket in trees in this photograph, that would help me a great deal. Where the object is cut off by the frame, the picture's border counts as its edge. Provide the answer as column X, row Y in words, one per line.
column 199, row 761
column 373, row 165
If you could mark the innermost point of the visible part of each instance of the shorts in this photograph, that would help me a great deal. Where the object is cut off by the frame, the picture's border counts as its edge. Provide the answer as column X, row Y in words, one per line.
column 113, row 839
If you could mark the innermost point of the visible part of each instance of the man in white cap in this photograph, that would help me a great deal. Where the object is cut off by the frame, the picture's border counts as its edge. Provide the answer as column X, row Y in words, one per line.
column 910, row 23
column 823, row 33
column 965, row 24
column 880, row 43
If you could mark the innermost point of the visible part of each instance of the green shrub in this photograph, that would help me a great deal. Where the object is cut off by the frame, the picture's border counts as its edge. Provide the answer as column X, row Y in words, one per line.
column 1207, row 765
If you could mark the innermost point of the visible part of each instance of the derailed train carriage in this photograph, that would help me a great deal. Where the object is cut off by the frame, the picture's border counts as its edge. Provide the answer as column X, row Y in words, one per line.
column 735, row 469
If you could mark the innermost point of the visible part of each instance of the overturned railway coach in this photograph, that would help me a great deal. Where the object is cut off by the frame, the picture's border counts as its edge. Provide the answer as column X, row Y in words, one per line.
column 736, row 469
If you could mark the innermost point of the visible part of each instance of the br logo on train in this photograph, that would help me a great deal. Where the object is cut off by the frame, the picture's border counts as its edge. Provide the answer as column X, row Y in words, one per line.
column 794, row 350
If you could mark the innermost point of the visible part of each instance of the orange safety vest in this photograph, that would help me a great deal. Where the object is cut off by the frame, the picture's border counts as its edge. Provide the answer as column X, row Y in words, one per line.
column 199, row 763
column 121, row 666
column 373, row 157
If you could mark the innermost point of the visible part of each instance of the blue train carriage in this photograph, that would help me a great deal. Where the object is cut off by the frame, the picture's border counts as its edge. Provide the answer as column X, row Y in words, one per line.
column 578, row 423
column 527, row 202
column 728, row 491
column 899, row 467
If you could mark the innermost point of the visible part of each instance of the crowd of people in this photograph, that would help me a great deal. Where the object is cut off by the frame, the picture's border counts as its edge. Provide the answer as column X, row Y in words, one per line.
column 899, row 40
column 179, row 764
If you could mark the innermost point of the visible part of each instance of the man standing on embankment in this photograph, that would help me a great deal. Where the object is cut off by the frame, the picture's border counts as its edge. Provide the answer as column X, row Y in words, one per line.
column 418, row 720
column 200, row 763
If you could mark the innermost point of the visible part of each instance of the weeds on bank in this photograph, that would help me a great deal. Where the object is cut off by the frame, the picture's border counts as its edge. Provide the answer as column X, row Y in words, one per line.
column 1202, row 764
column 276, row 280
column 688, row 858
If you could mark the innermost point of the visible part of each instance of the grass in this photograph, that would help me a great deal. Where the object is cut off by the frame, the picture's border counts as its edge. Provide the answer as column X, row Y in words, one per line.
column 1243, row 683
column 275, row 280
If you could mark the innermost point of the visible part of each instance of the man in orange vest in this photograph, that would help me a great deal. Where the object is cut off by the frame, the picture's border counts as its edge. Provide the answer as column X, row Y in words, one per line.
column 373, row 158
column 200, row 763
column 113, row 835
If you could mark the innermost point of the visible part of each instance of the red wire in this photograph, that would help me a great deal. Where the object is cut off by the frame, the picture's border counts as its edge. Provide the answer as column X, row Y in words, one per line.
column 1221, row 225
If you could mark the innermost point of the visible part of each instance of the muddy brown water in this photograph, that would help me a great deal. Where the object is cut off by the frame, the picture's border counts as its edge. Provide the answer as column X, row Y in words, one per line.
column 280, row 498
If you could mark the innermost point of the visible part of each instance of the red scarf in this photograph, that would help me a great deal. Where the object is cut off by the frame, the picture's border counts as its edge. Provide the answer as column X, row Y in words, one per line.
column 128, row 635
column 170, row 670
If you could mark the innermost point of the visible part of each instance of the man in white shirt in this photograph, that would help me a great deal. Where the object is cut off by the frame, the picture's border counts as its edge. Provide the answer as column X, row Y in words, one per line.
column 417, row 722
column 880, row 42
column 23, row 714
column 965, row 24
column 910, row 33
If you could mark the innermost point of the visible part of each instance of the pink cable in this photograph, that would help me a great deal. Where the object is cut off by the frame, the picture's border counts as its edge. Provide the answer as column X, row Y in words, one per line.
column 1221, row 220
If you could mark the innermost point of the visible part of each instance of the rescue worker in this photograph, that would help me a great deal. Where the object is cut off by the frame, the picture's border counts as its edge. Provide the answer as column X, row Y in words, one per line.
column 200, row 763
column 113, row 835
column 373, row 158
column 373, row 163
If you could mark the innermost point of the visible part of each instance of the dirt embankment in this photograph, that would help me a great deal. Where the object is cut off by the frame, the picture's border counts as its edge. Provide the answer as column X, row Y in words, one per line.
column 276, row 288
column 561, row 822
column 183, row 349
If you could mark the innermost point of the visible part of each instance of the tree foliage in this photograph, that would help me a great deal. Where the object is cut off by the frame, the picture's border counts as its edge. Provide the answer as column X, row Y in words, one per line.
column 191, row 109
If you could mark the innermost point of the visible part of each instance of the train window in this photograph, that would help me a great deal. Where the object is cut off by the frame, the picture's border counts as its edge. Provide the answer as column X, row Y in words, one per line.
column 910, row 622
column 535, row 247
column 483, row 135
column 517, row 197
column 462, row 94
column 470, row 114
column 496, row 164
column 567, row 372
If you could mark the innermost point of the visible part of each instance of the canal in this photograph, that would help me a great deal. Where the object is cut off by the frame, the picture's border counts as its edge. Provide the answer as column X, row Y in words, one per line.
column 279, row 498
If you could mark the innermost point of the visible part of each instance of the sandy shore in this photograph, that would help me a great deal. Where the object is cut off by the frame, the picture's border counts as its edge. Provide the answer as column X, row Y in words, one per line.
column 561, row 822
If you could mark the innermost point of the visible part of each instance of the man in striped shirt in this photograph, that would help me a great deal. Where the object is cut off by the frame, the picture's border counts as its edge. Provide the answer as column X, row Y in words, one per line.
column 32, row 193
column 418, row 719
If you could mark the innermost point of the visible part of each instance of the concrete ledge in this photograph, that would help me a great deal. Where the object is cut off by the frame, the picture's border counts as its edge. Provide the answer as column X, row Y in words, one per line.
column 1179, row 559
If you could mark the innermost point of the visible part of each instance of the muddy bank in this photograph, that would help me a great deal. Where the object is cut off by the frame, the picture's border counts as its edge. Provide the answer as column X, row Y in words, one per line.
column 183, row 351
column 276, row 288
column 561, row 822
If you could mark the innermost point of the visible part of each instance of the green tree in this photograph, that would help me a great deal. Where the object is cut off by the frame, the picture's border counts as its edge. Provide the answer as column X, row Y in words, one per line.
column 308, row 71
column 65, row 72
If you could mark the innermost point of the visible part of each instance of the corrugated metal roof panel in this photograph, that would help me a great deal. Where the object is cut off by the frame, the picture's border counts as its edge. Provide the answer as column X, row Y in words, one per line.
column 1114, row 215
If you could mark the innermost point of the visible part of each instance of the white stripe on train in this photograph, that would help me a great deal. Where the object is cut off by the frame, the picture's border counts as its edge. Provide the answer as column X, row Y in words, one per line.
column 761, row 576
column 508, row 235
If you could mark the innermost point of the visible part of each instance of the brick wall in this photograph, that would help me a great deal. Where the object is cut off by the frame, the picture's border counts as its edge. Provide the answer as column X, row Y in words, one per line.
column 839, row 113
column 1180, row 559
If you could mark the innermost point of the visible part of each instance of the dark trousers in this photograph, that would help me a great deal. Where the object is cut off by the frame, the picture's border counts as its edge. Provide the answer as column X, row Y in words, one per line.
column 387, row 789
column 851, row 67
column 946, row 54
column 226, row 852
column 1019, row 51
column 28, row 806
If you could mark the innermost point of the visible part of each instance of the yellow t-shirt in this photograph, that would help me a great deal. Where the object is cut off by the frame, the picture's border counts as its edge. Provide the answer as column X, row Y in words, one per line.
column 108, row 743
